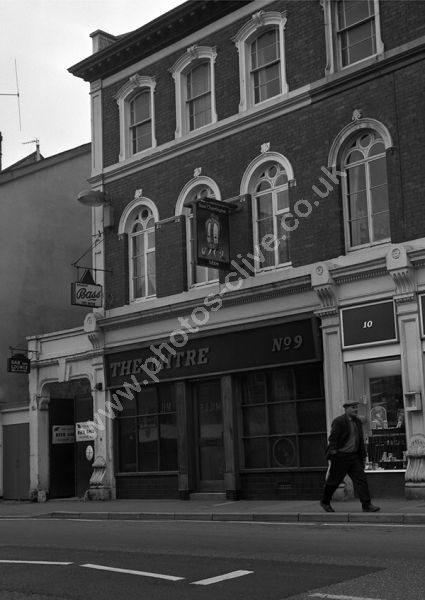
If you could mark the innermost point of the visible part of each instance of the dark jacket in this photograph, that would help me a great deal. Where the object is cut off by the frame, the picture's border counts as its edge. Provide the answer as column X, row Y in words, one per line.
column 340, row 432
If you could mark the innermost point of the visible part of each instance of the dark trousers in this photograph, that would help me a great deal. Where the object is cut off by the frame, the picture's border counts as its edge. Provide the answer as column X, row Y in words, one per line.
column 342, row 465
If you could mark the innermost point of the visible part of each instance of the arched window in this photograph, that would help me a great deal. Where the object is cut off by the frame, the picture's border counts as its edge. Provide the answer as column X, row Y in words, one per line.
column 265, row 66
column 140, row 122
column 141, row 249
column 194, row 79
column 365, row 190
column 267, row 180
column 135, row 101
column 200, row 187
column 261, row 50
column 198, row 96
column 271, row 204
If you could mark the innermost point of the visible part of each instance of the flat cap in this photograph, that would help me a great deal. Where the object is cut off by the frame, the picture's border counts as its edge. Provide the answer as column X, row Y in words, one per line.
column 350, row 403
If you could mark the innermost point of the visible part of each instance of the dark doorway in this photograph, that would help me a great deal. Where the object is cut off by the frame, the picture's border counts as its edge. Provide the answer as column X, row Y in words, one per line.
column 71, row 443
column 16, row 459
column 62, row 441
column 84, row 448
column 209, row 427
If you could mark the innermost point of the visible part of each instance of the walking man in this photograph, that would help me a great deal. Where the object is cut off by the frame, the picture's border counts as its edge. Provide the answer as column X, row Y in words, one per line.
column 346, row 453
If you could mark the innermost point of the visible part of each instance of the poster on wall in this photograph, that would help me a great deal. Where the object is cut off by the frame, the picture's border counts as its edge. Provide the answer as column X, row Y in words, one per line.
column 85, row 431
column 63, row 434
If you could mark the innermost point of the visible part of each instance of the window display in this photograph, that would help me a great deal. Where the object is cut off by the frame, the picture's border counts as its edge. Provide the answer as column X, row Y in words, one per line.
column 284, row 418
column 387, row 440
column 378, row 387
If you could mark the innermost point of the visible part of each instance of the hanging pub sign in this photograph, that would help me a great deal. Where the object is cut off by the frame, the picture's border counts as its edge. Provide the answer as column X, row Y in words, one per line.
column 18, row 363
column 372, row 323
column 86, row 292
column 211, row 235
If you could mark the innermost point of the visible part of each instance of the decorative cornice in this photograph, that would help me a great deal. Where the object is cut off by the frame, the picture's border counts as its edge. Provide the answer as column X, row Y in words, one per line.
column 243, row 296
column 402, row 272
column 325, row 288
column 94, row 332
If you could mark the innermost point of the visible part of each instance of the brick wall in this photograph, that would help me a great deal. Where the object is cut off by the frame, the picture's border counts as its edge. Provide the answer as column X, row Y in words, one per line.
column 304, row 137
column 140, row 487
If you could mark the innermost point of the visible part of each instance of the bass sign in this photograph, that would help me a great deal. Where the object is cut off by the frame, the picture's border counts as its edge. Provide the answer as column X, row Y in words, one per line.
column 86, row 294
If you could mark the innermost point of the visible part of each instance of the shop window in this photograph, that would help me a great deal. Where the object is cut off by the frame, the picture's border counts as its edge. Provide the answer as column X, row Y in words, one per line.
column 194, row 79
column 378, row 387
column 135, row 101
column 283, row 420
column 200, row 187
column 147, row 431
column 261, row 51
column 365, row 191
column 353, row 32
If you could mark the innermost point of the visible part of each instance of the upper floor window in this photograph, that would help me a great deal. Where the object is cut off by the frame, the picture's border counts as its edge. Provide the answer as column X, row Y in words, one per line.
column 265, row 63
column 353, row 32
column 200, row 187
column 267, row 180
column 138, row 222
column 271, row 204
column 198, row 96
column 356, row 30
column 367, row 219
column 194, row 79
column 260, row 44
column 136, row 116
column 140, row 122
column 141, row 245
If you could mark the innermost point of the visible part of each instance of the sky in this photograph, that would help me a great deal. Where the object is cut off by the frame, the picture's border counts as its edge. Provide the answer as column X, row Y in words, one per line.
column 45, row 38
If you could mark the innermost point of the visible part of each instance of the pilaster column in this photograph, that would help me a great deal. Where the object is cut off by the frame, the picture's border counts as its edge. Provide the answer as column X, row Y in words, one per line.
column 183, row 435
column 102, row 486
column 231, row 476
column 412, row 369
column 39, row 446
column 333, row 362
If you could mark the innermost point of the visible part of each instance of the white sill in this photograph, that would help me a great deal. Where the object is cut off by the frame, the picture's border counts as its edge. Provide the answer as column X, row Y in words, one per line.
column 385, row 470
column 359, row 62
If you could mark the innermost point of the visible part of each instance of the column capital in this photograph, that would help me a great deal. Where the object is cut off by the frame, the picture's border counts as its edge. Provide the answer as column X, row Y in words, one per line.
column 402, row 272
column 325, row 288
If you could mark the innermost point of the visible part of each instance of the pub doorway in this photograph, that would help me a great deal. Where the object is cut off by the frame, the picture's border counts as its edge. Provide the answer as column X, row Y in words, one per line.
column 71, row 443
column 209, row 435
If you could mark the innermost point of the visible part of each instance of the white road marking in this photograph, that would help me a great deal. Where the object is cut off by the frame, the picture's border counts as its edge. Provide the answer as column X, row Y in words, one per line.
column 35, row 562
column 231, row 575
column 333, row 597
column 131, row 572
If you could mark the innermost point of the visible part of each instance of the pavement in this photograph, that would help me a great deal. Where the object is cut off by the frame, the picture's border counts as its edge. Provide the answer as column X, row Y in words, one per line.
column 397, row 511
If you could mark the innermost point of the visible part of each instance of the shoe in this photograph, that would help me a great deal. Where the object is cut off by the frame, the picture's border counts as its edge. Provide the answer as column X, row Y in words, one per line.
column 327, row 507
column 370, row 508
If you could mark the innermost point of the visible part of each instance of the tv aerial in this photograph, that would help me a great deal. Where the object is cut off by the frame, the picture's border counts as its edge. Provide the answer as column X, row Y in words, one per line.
column 16, row 94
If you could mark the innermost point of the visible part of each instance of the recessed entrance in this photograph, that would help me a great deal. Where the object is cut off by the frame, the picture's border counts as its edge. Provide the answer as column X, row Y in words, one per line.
column 209, row 429
column 71, row 445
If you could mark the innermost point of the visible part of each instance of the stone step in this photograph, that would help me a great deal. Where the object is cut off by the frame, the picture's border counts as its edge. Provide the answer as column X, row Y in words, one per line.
column 212, row 496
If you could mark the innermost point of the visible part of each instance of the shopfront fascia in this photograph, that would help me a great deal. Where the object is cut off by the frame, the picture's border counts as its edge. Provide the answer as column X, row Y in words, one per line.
column 240, row 412
column 382, row 355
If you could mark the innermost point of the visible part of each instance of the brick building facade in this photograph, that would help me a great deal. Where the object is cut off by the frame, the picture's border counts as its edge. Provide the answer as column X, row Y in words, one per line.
column 307, row 118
